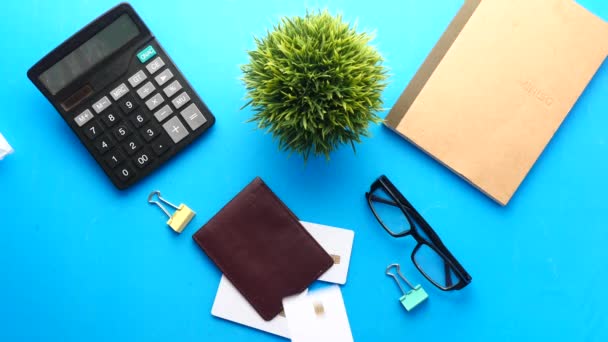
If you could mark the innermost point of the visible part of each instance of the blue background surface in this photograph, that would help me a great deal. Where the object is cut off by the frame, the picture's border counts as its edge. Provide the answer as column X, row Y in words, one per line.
column 81, row 261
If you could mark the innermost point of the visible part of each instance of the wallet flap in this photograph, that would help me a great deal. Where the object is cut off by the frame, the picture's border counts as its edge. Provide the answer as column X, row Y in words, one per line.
column 262, row 248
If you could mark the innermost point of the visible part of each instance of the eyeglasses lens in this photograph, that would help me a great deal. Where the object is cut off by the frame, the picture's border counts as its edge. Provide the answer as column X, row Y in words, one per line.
column 388, row 212
column 434, row 266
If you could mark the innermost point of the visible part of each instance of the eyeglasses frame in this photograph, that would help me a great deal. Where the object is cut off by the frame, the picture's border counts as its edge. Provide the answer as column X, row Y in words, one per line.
column 411, row 214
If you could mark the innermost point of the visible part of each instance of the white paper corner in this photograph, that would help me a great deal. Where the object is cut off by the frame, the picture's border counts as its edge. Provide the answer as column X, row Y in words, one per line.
column 5, row 148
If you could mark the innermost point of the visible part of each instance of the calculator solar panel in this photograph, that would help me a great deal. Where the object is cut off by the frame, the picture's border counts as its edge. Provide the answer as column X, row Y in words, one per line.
column 122, row 95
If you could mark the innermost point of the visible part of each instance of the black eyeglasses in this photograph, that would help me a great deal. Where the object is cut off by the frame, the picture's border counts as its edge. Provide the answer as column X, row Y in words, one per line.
column 430, row 256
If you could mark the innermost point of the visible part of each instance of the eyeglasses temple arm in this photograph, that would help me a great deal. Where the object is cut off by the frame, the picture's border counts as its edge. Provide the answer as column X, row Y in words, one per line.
column 448, row 274
column 383, row 200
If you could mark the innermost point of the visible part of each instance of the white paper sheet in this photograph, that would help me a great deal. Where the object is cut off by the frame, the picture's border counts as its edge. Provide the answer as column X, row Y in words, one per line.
column 5, row 148
column 229, row 304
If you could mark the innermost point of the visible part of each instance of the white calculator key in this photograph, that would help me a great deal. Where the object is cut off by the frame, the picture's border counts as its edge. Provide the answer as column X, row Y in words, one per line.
column 83, row 118
column 163, row 77
column 137, row 78
column 163, row 113
column 172, row 88
column 102, row 104
column 146, row 90
column 181, row 100
column 154, row 101
column 119, row 91
column 155, row 65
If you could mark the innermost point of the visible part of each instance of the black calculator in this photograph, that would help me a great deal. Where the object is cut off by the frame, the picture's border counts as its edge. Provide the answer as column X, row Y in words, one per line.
column 122, row 95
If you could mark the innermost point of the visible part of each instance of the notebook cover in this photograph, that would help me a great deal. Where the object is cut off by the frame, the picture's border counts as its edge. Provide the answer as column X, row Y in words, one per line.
column 262, row 248
column 497, row 86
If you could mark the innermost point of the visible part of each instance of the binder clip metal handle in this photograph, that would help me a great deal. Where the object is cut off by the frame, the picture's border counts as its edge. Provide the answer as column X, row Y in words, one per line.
column 412, row 298
column 180, row 218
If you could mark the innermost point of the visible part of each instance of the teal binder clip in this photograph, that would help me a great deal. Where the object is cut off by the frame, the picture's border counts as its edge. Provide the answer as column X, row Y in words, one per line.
column 410, row 299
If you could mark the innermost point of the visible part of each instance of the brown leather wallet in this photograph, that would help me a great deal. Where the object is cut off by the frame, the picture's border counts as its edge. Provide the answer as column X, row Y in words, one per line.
column 262, row 248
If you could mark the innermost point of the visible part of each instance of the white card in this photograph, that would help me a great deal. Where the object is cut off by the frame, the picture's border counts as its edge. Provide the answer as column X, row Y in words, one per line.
column 229, row 304
column 338, row 243
column 5, row 148
column 318, row 316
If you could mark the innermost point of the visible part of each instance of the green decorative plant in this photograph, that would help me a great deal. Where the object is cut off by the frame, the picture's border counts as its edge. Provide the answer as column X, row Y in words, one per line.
column 315, row 83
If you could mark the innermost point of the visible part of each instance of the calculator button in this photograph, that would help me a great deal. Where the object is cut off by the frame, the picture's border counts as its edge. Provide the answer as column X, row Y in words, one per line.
column 150, row 132
column 102, row 104
column 155, row 101
column 181, row 100
column 121, row 132
column 127, row 104
column 163, row 77
column 83, row 118
column 103, row 145
column 142, row 159
column 163, row 113
column 93, row 131
column 161, row 145
column 176, row 129
column 172, row 88
column 114, row 158
column 155, row 65
column 125, row 173
column 137, row 78
column 139, row 119
column 145, row 54
column 119, row 91
column 110, row 118
column 193, row 116
column 133, row 145
column 146, row 90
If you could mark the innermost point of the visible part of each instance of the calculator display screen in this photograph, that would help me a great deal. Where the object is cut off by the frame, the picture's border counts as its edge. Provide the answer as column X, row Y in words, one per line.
column 87, row 55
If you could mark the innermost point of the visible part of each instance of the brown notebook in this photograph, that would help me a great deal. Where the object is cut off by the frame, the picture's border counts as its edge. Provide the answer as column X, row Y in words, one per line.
column 497, row 86
column 262, row 248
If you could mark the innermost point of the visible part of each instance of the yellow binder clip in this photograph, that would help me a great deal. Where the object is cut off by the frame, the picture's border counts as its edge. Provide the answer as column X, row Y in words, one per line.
column 180, row 218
